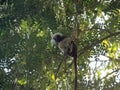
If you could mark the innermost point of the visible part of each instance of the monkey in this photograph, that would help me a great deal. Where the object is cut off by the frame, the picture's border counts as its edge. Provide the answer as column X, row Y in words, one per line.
column 67, row 47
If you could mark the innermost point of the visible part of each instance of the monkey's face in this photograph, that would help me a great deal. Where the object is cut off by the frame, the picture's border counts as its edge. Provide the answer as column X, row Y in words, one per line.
column 56, row 38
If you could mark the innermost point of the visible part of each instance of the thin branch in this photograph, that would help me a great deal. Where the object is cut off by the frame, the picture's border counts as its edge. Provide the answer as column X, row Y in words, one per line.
column 110, row 73
column 58, row 69
column 89, row 46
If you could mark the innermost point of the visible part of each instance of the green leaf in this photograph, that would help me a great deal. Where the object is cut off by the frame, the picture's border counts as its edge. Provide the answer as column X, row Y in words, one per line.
column 22, row 82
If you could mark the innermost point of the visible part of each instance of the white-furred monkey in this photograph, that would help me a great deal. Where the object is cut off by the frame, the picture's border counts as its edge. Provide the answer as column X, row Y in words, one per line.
column 67, row 47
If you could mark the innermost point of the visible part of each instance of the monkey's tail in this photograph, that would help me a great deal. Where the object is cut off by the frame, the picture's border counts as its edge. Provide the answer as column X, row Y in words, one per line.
column 75, row 68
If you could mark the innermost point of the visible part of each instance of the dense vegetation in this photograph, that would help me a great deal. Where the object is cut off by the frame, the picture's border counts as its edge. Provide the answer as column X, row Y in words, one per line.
column 29, row 62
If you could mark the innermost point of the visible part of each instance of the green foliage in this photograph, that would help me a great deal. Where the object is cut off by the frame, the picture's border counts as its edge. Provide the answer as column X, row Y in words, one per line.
column 29, row 62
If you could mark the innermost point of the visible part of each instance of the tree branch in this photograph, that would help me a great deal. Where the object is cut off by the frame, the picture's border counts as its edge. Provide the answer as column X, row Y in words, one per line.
column 110, row 73
column 95, row 42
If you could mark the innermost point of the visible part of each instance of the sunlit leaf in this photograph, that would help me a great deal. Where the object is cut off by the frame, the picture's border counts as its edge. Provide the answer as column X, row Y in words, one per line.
column 115, row 47
column 106, row 43
column 53, row 77
column 24, row 25
column 40, row 34
column 112, row 55
column 109, row 49
column 22, row 81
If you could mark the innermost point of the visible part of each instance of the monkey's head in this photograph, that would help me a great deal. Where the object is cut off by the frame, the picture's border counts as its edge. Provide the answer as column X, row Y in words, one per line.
column 56, row 38
column 65, row 44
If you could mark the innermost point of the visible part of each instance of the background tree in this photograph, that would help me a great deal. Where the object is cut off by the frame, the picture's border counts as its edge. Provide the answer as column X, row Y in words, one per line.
column 27, row 60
